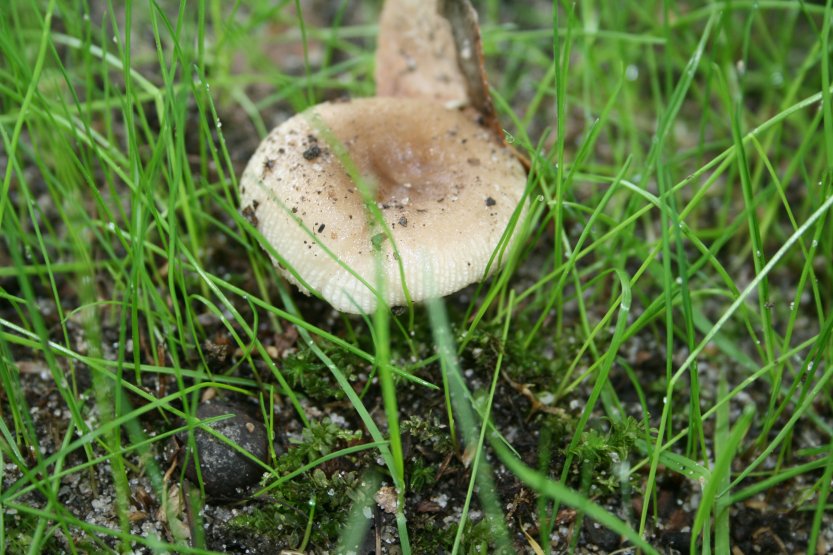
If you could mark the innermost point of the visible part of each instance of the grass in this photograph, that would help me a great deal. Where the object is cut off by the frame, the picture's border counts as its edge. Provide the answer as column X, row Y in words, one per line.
column 666, row 318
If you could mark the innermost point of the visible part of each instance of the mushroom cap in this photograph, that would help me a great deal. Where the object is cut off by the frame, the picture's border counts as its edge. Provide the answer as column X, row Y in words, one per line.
column 445, row 186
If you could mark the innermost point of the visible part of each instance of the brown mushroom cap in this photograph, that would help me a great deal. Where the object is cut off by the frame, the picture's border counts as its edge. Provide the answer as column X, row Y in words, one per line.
column 445, row 186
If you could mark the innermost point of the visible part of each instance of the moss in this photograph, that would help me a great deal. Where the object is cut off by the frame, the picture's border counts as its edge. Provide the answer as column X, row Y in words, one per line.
column 19, row 530
column 305, row 372
column 326, row 493
column 326, row 499
column 478, row 538
column 428, row 432
column 542, row 362
column 317, row 439
column 600, row 453
column 420, row 474
column 430, row 443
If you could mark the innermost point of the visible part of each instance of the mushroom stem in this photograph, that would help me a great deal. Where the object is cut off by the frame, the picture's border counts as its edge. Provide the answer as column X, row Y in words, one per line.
column 415, row 54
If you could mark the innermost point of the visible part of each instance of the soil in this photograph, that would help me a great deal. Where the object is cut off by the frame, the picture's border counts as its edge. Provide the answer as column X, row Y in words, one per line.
column 772, row 522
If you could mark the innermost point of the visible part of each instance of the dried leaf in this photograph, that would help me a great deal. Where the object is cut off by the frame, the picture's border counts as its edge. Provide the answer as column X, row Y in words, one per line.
column 172, row 513
column 534, row 545
column 469, row 49
column 387, row 499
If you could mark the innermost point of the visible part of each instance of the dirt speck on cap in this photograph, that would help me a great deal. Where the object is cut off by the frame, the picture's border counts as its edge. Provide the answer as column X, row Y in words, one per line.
column 312, row 152
column 249, row 212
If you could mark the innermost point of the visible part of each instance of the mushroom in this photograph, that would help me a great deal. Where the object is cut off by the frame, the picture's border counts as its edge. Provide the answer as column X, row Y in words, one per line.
column 392, row 199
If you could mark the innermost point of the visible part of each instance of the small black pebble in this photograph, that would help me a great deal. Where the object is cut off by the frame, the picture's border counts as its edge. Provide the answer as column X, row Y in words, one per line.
column 600, row 536
column 679, row 541
column 225, row 470
column 312, row 152
column 490, row 201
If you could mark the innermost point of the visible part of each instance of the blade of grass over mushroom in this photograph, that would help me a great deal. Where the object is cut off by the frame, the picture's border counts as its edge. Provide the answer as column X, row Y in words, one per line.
column 290, row 268
column 381, row 337
column 518, row 231
column 507, row 255
column 593, row 214
column 368, row 190
column 426, row 166
column 291, row 315
column 284, row 315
